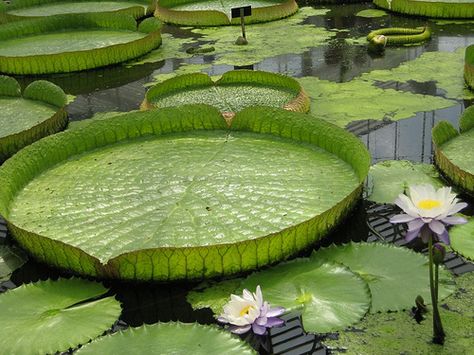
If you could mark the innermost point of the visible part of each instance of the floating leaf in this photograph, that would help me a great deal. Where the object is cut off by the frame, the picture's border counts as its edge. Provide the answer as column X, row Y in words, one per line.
column 399, row 333
column 395, row 275
column 26, row 9
column 11, row 258
column 217, row 13
column 329, row 296
column 390, row 178
column 25, row 119
column 462, row 239
column 238, row 199
column 431, row 8
column 50, row 316
column 213, row 295
column 73, row 42
column 169, row 338
column 371, row 13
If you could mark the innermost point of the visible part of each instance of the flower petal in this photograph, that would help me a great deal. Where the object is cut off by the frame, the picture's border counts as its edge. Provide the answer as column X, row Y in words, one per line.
column 411, row 235
column 275, row 322
column 222, row 319
column 401, row 218
column 454, row 220
column 457, row 207
column 444, row 237
column 404, row 202
column 416, row 224
column 258, row 329
column 437, row 227
column 261, row 321
column 239, row 330
column 276, row 311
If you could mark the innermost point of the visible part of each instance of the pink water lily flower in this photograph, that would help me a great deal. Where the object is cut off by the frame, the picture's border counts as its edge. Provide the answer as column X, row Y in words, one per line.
column 249, row 311
column 428, row 210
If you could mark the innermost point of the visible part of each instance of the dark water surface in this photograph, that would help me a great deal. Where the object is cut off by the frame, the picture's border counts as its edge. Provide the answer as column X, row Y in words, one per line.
column 120, row 88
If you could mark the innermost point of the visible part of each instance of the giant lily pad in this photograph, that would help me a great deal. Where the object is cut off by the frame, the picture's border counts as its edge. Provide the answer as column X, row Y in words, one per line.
column 469, row 67
column 453, row 150
column 396, row 276
column 31, row 116
column 462, row 239
column 173, row 193
column 24, row 9
column 50, row 316
column 430, row 8
column 234, row 91
column 169, row 338
column 65, row 43
column 11, row 258
column 217, row 13
column 389, row 178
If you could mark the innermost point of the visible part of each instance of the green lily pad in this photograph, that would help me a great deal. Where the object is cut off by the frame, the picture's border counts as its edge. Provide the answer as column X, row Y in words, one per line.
column 453, row 153
column 27, row 117
column 217, row 13
column 24, row 9
column 11, row 258
column 234, row 91
column 240, row 198
column 51, row 316
column 65, row 43
column 371, row 13
column 462, row 239
column 358, row 99
column 430, row 8
column 213, row 295
column 390, row 178
column 396, row 276
column 329, row 296
column 399, row 333
column 169, row 338
column 469, row 67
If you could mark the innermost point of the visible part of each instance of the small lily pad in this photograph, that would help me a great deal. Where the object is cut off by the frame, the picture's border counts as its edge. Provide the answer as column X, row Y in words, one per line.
column 371, row 13
column 396, row 276
column 169, row 338
column 389, row 178
column 462, row 239
column 50, row 316
column 10, row 259
column 329, row 295
column 213, row 296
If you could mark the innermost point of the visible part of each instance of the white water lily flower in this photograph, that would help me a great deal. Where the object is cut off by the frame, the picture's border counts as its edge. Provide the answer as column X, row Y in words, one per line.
column 250, row 311
column 428, row 210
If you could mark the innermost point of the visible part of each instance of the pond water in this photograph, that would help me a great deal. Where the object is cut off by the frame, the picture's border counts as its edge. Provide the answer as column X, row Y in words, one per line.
column 341, row 58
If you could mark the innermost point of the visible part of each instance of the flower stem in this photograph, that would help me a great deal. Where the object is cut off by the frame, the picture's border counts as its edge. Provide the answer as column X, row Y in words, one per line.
column 438, row 331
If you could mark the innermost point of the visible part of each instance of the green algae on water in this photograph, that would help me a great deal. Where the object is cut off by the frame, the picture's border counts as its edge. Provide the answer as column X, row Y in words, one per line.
column 342, row 103
column 287, row 36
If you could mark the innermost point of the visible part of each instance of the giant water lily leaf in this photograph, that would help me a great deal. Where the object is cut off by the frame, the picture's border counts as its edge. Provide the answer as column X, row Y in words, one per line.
column 217, row 13
column 396, row 276
column 388, row 179
column 342, row 103
column 11, row 258
column 213, row 295
column 169, row 338
column 371, row 13
column 399, row 333
column 39, row 8
column 266, row 40
column 73, row 42
column 462, row 239
column 50, row 316
column 453, row 153
column 234, row 91
column 430, row 8
column 27, row 117
column 271, row 185
column 329, row 296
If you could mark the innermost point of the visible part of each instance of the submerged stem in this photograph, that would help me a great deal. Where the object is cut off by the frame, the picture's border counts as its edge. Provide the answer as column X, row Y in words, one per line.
column 438, row 331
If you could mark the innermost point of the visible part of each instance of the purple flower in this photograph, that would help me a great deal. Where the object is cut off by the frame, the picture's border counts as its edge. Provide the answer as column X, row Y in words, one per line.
column 428, row 210
column 249, row 311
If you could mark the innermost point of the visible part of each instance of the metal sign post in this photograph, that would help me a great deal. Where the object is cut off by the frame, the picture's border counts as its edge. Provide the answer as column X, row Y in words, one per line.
column 241, row 12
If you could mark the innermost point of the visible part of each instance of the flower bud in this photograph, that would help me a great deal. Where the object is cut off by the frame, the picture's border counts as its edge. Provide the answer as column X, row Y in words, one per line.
column 439, row 252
